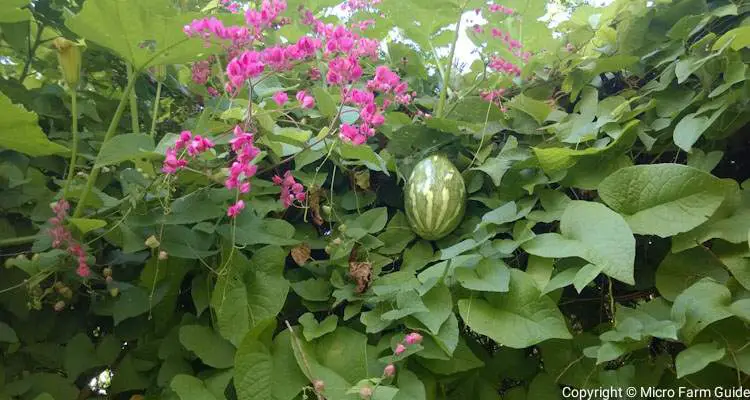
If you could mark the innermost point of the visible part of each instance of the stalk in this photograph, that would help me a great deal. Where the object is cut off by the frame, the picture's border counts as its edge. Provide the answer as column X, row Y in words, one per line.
column 448, row 69
column 133, row 102
column 74, row 151
column 156, row 109
column 110, row 132
column 17, row 241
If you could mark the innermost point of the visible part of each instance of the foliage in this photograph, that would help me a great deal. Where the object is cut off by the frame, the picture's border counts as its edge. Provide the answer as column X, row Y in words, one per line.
column 269, row 256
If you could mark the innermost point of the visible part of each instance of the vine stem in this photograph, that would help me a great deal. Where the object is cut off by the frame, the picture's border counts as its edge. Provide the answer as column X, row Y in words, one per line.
column 156, row 109
column 449, row 67
column 74, row 150
column 17, row 241
column 107, row 136
column 32, row 51
column 133, row 101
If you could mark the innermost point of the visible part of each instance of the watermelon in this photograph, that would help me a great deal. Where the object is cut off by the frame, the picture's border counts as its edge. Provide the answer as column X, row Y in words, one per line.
column 435, row 197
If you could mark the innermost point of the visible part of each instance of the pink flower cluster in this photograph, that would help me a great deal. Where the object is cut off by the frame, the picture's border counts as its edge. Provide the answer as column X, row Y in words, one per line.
column 410, row 339
column 386, row 82
column 265, row 17
column 492, row 96
column 61, row 237
column 343, row 70
column 231, row 6
column 502, row 9
column 291, row 190
column 207, row 27
column 235, row 209
column 353, row 5
column 201, row 70
column 243, row 144
column 193, row 146
column 501, row 65
column 250, row 64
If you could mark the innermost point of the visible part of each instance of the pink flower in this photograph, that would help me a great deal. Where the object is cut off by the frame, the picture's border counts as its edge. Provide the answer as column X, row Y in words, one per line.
column 400, row 349
column 280, row 98
column 61, row 237
column 172, row 163
column 389, row 370
column 343, row 70
column 413, row 338
column 291, row 190
column 305, row 100
column 477, row 29
column 235, row 209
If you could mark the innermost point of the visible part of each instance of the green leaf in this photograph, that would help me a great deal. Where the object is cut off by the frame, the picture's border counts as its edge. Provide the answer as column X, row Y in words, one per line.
column 538, row 110
column 697, row 357
column 135, row 301
column 86, row 225
column 371, row 221
column 126, row 147
column 738, row 37
column 10, row 11
column 554, row 159
column 19, row 131
column 497, row 167
column 662, row 199
column 312, row 329
column 211, row 348
column 80, row 356
column 691, row 127
column 142, row 32
column 440, row 305
column 518, row 319
column 488, row 276
column 288, row 379
column 317, row 289
column 190, row 388
column 700, row 305
column 593, row 232
column 410, row 387
column 7, row 334
column 678, row 271
column 253, row 371
column 252, row 291
column 325, row 102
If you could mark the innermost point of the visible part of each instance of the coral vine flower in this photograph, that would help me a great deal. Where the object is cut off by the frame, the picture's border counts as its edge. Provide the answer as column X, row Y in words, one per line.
column 235, row 209
column 305, row 99
column 291, row 190
column 280, row 98
column 61, row 237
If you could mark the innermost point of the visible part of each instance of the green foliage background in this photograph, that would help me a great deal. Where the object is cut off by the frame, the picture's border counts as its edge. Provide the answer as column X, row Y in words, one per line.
column 605, row 241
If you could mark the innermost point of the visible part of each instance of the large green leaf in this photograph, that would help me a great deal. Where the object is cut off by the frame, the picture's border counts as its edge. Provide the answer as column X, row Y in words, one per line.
column 189, row 387
column 518, row 319
column 662, row 199
column 697, row 357
column 593, row 232
column 250, row 292
column 253, row 370
column 143, row 32
column 211, row 348
column 678, row 271
column 19, row 131
column 121, row 148
column 700, row 305
column 10, row 11
column 554, row 159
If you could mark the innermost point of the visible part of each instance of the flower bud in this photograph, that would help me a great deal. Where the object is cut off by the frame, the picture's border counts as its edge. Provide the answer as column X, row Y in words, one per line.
column 69, row 57
column 365, row 392
column 336, row 241
column 400, row 349
column 389, row 370
column 66, row 292
column 319, row 386
column 59, row 306
column 107, row 272
column 152, row 242
column 163, row 255
column 413, row 338
column 108, row 279
column 35, row 257
column 114, row 292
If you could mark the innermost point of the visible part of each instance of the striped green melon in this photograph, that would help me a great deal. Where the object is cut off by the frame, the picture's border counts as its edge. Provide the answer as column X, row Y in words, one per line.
column 435, row 197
